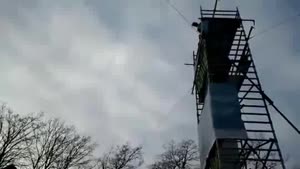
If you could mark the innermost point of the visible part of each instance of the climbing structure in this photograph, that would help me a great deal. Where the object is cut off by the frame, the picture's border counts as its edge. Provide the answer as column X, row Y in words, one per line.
column 234, row 123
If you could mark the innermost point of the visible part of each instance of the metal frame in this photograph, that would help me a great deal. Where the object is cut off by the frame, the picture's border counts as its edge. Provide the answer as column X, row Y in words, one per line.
column 261, row 149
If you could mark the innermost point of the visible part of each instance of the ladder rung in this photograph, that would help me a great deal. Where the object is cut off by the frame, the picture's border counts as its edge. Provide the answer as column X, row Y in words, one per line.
column 247, row 84
column 242, row 40
column 235, row 61
column 237, row 50
column 234, row 159
column 209, row 10
column 251, row 98
column 239, row 34
column 218, row 14
column 255, row 114
column 241, row 44
column 235, row 71
column 252, row 78
column 260, row 131
column 260, row 149
column 244, row 91
column 254, row 159
column 256, row 106
column 258, row 122
column 233, row 54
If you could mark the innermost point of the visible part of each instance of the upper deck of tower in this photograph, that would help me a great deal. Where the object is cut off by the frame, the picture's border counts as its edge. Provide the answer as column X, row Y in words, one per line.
column 222, row 51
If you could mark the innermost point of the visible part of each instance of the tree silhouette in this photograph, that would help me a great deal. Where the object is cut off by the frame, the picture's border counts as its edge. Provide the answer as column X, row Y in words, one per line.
column 182, row 155
column 56, row 145
column 121, row 157
column 15, row 131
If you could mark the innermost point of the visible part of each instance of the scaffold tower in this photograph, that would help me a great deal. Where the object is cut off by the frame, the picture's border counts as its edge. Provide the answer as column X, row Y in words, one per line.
column 234, row 124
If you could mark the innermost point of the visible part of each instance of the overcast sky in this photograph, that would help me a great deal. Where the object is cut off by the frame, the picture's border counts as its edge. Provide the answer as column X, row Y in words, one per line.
column 114, row 68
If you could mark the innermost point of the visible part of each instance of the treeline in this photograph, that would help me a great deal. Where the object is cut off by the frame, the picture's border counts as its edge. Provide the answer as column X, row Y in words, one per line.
column 33, row 142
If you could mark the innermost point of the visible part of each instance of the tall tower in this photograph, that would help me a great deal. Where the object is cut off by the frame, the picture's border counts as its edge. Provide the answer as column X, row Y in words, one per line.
column 234, row 125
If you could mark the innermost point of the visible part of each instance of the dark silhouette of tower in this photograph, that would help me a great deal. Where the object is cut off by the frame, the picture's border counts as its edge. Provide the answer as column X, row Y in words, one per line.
column 234, row 123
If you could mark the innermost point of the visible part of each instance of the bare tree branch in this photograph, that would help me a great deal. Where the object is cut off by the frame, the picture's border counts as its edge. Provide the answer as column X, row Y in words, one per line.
column 122, row 157
column 182, row 155
column 56, row 145
column 15, row 131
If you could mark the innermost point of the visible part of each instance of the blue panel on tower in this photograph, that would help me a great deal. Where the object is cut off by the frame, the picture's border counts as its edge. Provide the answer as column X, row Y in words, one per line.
column 220, row 118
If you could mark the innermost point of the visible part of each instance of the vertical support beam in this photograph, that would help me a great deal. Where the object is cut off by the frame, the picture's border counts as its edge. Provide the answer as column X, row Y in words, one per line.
column 267, row 156
column 215, row 8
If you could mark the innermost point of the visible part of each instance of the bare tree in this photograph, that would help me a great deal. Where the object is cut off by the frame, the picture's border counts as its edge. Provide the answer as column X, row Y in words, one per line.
column 122, row 157
column 104, row 161
column 77, row 153
column 182, row 155
column 56, row 145
column 162, row 165
column 15, row 131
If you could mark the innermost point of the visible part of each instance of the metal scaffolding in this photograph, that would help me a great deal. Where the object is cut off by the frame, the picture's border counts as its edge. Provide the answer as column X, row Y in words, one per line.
column 260, row 150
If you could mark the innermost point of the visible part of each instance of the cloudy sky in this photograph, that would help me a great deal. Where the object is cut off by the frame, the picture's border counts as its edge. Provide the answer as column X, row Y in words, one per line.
column 114, row 68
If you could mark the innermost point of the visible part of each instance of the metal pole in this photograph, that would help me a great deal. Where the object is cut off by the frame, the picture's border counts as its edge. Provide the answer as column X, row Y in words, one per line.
column 215, row 8
column 281, row 114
